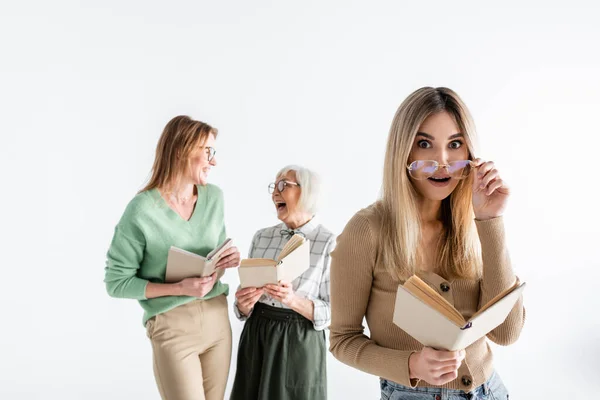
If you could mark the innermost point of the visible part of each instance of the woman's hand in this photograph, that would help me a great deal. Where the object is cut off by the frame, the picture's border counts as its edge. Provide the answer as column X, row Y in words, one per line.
column 230, row 258
column 247, row 298
column 435, row 367
column 197, row 287
column 490, row 193
column 283, row 293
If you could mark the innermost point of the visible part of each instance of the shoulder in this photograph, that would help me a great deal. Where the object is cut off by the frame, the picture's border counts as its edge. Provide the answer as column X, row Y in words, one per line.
column 136, row 215
column 358, row 243
column 213, row 191
column 366, row 222
column 323, row 234
column 142, row 204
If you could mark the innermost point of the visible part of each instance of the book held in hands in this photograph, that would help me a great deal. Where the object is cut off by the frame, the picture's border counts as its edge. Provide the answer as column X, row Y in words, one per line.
column 183, row 264
column 424, row 314
column 293, row 260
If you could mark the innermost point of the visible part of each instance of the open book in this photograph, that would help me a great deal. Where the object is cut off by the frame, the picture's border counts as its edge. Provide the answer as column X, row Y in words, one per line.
column 183, row 264
column 293, row 260
column 424, row 314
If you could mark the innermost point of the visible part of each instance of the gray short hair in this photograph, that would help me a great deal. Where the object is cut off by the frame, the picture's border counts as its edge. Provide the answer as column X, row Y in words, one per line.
column 310, row 187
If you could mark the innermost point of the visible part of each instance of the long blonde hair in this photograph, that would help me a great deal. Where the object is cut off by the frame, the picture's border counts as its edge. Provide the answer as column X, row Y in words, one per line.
column 180, row 137
column 458, row 254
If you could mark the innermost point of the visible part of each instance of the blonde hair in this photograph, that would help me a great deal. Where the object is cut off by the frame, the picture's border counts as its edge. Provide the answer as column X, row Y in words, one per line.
column 458, row 253
column 180, row 137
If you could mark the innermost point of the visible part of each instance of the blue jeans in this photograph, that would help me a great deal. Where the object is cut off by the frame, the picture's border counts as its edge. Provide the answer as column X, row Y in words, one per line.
column 493, row 389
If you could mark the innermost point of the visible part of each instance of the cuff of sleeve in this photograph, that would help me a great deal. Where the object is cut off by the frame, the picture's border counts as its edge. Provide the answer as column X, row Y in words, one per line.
column 138, row 288
column 399, row 358
column 412, row 382
column 321, row 314
column 238, row 313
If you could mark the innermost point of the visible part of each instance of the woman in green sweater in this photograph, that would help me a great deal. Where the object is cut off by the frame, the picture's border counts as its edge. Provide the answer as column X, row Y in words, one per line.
column 187, row 322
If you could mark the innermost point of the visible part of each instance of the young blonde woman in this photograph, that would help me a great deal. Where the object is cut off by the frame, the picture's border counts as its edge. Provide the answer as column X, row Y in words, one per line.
column 440, row 217
column 187, row 322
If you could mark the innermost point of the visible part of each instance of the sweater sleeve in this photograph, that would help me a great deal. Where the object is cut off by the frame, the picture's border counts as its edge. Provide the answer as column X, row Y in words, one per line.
column 497, row 277
column 352, row 265
column 122, row 263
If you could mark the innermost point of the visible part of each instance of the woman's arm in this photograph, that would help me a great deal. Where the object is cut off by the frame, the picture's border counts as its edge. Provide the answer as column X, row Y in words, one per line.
column 322, row 305
column 122, row 263
column 284, row 293
column 497, row 277
column 302, row 306
column 194, row 287
column 351, row 278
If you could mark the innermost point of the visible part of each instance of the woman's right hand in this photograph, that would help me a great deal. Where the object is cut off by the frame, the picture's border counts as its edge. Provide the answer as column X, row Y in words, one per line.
column 434, row 366
column 247, row 298
column 197, row 287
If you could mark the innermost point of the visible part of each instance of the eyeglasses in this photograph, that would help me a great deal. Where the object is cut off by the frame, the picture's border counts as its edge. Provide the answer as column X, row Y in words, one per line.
column 423, row 169
column 281, row 185
column 210, row 152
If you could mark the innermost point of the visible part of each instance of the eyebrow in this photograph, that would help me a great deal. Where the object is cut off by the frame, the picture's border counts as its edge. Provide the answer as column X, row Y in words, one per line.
column 428, row 136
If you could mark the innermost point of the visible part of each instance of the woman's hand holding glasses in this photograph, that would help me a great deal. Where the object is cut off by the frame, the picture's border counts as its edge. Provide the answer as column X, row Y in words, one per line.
column 490, row 192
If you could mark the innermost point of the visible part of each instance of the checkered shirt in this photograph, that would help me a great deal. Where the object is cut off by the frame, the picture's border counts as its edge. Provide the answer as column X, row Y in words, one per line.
column 313, row 284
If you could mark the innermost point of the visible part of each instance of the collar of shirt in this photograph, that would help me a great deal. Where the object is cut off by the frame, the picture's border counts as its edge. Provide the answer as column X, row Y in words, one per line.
column 304, row 229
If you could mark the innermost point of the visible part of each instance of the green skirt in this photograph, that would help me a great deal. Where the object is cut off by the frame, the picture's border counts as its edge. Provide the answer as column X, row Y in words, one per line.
column 281, row 356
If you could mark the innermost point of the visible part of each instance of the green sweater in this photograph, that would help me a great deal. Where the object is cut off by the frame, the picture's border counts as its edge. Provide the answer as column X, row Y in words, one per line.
column 141, row 242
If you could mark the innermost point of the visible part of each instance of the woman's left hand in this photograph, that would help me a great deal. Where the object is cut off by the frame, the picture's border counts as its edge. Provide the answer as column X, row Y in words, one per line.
column 230, row 258
column 490, row 192
column 283, row 292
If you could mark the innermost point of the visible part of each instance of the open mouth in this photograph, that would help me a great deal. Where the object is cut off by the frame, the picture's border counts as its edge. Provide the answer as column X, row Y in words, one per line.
column 280, row 205
column 439, row 179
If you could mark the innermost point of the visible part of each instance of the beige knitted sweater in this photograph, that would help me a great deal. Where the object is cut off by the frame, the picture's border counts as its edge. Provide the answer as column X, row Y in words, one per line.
column 361, row 287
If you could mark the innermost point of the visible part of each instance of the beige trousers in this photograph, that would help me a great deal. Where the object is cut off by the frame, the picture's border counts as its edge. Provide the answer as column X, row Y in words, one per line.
column 192, row 350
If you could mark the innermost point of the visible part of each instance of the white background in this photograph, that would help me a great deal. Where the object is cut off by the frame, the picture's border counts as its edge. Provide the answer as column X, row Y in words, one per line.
column 86, row 88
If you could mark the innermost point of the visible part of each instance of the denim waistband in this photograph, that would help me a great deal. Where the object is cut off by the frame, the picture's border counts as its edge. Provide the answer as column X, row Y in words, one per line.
column 482, row 389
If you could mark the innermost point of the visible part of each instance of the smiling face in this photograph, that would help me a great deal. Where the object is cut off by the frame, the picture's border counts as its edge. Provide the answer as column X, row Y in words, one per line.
column 199, row 166
column 286, row 201
column 438, row 139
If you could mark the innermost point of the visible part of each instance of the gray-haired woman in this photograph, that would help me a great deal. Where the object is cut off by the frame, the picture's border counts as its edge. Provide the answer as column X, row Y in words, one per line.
column 282, row 348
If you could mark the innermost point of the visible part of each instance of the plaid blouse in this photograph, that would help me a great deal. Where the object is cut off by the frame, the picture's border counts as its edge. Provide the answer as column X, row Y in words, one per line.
column 312, row 284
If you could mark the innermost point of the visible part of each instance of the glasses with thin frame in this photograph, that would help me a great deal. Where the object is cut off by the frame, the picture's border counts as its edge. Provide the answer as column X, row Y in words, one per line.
column 281, row 185
column 210, row 152
column 424, row 169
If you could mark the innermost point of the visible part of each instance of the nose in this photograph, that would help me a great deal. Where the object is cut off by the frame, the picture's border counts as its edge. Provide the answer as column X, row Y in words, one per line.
column 213, row 162
column 275, row 195
column 442, row 157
